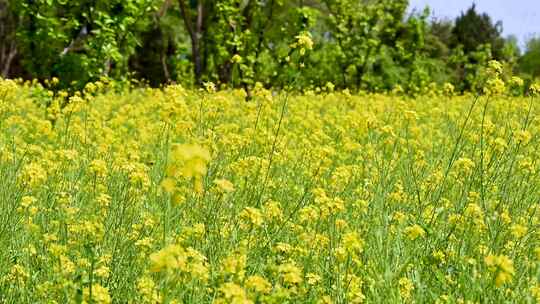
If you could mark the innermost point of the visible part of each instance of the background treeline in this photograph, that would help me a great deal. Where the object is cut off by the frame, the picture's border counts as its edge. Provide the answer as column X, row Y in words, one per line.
column 371, row 45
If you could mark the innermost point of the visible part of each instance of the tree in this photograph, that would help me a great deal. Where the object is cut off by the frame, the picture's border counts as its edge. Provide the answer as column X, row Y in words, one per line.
column 530, row 61
column 360, row 31
column 161, row 56
column 362, row 44
column 439, row 37
column 228, row 36
column 8, row 29
column 79, row 41
column 472, row 30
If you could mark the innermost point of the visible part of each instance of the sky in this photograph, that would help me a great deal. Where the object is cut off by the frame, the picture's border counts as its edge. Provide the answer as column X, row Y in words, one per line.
column 520, row 17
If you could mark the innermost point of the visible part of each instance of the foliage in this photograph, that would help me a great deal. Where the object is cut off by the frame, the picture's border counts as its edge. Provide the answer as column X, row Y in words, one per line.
column 472, row 30
column 78, row 41
column 370, row 45
column 161, row 54
column 530, row 61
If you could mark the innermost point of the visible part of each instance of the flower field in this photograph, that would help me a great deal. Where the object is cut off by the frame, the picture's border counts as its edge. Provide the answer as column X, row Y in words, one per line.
column 183, row 196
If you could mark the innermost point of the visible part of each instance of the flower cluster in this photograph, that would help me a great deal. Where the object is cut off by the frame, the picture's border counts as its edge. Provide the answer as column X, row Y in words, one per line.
column 181, row 196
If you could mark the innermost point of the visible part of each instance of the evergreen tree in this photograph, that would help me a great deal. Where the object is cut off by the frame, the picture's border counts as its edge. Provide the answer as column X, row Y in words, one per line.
column 472, row 30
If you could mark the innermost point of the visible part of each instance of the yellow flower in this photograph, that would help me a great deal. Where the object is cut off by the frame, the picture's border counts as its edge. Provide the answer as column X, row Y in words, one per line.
column 500, row 144
column 252, row 216
column 439, row 256
column 27, row 201
column 494, row 86
column 473, row 210
column 194, row 159
column 259, row 284
column 353, row 243
column 18, row 274
column 190, row 161
column 464, row 165
column 516, row 81
column 168, row 185
column 100, row 295
column 399, row 217
column 495, row 67
column 103, row 199
column 518, row 231
column 304, row 42
column 415, row 231
column 98, row 167
column 523, row 136
column 235, row 264
column 448, row 89
column 535, row 292
column 209, row 86
column 502, row 266
column 272, row 210
column 291, row 273
column 330, row 87
column 33, row 174
column 535, row 89
column 175, row 258
column 236, row 58
column 313, row 279
column 102, row 272
column 505, row 217
column 224, row 185
column 234, row 293
column 170, row 258
column 147, row 289
column 405, row 288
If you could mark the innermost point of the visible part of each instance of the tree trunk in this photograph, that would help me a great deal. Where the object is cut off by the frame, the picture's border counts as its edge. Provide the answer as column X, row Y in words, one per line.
column 8, row 60
column 225, row 73
column 164, row 67
column 196, row 34
column 8, row 46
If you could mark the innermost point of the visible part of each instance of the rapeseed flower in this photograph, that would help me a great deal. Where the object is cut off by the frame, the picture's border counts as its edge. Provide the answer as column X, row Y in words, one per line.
column 415, row 231
column 502, row 267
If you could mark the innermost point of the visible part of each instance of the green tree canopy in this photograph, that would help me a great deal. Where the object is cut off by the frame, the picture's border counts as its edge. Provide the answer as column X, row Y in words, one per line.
column 472, row 30
column 530, row 61
column 374, row 45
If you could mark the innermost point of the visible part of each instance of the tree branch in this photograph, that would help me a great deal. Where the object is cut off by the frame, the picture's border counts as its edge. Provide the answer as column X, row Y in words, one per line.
column 72, row 45
column 186, row 16
column 164, row 8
